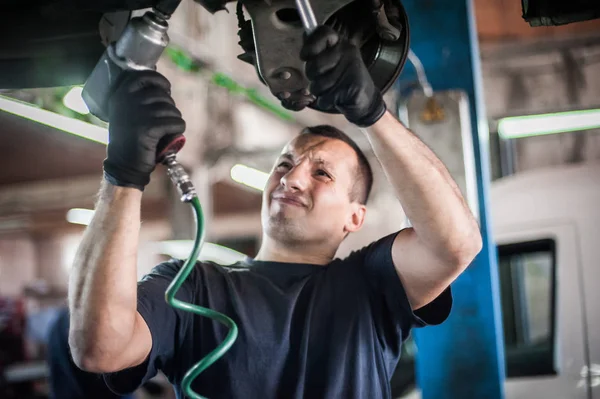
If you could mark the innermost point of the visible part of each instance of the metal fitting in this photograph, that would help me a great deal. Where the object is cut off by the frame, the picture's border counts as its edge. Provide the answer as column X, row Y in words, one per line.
column 180, row 178
column 142, row 43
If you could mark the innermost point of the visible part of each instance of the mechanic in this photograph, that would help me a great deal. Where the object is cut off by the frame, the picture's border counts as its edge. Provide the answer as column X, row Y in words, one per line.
column 310, row 325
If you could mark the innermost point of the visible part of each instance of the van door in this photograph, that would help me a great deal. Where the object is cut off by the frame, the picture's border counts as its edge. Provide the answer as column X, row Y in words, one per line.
column 589, row 226
column 541, row 296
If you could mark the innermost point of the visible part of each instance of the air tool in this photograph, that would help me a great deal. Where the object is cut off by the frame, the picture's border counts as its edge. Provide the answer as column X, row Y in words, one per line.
column 139, row 48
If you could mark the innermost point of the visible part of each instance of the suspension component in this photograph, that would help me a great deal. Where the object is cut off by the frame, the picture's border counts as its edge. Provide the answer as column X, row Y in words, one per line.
column 273, row 38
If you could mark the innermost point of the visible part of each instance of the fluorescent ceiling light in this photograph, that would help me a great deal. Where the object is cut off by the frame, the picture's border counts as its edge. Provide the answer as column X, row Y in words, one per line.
column 74, row 101
column 181, row 249
column 14, row 223
column 80, row 216
column 537, row 125
column 249, row 176
column 57, row 121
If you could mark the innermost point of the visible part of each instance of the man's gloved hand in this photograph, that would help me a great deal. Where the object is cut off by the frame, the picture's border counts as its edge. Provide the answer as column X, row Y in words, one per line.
column 340, row 78
column 141, row 112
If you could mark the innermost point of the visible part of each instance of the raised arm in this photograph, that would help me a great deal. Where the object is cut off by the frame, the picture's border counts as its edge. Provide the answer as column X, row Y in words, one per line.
column 107, row 333
column 445, row 236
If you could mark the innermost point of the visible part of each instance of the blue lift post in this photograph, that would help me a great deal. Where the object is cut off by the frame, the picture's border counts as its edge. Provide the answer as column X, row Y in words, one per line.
column 464, row 357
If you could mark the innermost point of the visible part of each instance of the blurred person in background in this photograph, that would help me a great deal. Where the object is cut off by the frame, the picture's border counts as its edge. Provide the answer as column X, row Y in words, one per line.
column 67, row 381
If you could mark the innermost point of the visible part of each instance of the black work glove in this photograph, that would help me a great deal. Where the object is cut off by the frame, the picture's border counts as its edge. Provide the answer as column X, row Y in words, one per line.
column 141, row 112
column 339, row 77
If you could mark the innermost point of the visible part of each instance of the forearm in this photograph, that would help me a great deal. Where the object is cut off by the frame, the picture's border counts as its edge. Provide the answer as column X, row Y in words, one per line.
column 103, row 280
column 429, row 196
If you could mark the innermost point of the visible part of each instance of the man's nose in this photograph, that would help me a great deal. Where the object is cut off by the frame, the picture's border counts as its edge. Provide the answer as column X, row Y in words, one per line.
column 296, row 179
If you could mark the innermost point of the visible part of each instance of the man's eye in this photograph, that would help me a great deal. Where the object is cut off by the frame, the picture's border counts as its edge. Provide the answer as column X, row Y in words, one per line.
column 321, row 172
column 284, row 165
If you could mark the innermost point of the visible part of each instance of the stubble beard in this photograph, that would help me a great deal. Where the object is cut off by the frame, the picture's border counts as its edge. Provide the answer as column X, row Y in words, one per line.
column 286, row 230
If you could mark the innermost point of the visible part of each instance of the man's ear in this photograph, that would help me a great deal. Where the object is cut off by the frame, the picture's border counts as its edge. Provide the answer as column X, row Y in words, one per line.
column 356, row 218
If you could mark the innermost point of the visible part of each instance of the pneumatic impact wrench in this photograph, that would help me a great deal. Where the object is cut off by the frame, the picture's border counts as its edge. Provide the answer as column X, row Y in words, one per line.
column 139, row 48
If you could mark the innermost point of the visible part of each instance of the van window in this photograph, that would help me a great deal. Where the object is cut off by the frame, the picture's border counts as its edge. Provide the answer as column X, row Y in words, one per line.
column 527, row 294
column 527, row 287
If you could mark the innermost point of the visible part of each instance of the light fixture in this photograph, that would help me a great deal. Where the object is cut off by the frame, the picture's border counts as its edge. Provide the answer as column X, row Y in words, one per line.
column 74, row 101
column 180, row 249
column 80, row 216
column 249, row 176
column 210, row 252
column 537, row 125
column 57, row 121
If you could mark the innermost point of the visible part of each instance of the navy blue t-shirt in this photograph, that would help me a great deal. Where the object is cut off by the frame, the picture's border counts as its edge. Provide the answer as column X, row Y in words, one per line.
column 305, row 331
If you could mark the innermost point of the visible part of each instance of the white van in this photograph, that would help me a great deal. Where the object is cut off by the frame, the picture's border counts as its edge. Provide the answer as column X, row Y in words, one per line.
column 546, row 224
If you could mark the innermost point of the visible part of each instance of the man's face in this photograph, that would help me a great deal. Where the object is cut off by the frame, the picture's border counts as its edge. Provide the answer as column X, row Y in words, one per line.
column 307, row 197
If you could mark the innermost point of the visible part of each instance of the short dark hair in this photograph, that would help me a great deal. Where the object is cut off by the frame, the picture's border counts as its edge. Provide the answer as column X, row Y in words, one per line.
column 362, row 185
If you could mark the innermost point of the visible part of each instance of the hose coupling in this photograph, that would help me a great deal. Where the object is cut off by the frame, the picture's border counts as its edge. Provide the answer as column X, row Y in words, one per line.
column 180, row 178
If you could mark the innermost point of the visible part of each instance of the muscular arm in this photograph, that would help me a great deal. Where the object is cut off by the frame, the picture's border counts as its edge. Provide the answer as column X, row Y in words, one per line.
column 445, row 236
column 106, row 333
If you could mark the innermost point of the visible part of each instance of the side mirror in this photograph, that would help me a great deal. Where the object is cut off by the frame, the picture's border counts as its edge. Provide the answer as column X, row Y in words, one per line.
column 559, row 12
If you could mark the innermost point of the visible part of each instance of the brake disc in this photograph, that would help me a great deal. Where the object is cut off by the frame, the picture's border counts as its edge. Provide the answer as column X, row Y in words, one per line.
column 273, row 37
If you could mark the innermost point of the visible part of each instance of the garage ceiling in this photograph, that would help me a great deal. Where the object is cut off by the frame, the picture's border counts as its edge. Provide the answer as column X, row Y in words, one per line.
column 32, row 151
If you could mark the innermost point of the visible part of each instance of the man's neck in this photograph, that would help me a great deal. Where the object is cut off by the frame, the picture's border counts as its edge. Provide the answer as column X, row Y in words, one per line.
column 272, row 251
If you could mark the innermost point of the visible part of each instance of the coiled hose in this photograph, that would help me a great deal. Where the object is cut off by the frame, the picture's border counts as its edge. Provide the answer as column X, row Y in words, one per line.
column 188, row 266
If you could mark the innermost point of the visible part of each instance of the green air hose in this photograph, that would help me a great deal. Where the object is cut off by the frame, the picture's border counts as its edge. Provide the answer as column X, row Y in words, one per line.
column 189, row 264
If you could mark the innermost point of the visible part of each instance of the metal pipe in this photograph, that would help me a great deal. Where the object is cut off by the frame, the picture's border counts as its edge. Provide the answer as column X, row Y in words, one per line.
column 421, row 75
column 306, row 15
column 507, row 153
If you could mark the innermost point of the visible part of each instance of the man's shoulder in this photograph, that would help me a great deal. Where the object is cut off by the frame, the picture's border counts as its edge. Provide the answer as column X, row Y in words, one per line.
column 361, row 253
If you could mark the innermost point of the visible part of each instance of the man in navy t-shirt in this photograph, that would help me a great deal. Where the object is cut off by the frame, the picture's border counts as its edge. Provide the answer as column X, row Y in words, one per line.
column 310, row 325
